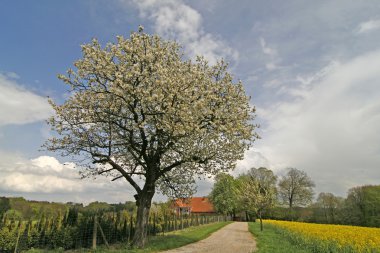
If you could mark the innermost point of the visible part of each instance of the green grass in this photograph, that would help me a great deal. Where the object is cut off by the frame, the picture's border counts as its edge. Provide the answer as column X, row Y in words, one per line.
column 271, row 241
column 158, row 243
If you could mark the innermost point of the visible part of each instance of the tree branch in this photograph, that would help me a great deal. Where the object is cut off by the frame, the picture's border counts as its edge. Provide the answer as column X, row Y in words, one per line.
column 126, row 175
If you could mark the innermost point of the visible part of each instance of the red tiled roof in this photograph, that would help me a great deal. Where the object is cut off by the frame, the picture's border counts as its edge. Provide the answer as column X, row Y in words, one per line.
column 197, row 204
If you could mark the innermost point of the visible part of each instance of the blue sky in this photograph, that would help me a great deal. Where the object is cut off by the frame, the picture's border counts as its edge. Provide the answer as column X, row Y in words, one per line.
column 312, row 69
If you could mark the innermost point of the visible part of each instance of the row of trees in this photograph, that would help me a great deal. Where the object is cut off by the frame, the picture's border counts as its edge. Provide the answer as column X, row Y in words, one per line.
column 79, row 228
column 361, row 207
column 257, row 191
column 18, row 208
column 260, row 193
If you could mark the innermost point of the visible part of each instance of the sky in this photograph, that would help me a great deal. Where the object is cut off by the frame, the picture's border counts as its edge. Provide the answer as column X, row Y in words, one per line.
column 312, row 69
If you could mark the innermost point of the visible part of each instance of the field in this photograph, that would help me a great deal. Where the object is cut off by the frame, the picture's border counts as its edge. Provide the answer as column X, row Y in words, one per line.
column 328, row 238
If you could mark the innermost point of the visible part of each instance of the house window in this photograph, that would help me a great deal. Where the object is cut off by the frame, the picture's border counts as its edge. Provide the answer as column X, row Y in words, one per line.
column 184, row 210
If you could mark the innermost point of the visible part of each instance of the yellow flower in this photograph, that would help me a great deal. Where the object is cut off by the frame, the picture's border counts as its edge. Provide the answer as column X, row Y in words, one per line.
column 349, row 238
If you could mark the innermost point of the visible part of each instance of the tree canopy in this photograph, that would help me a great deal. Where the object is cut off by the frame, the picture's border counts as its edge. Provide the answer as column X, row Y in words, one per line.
column 362, row 206
column 224, row 195
column 137, row 109
column 296, row 188
column 330, row 205
column 257, row 190
column 4, row 206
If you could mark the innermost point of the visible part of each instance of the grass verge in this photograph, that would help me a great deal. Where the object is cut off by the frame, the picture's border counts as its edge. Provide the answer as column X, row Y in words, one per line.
column 158, row 243
column 271, row 241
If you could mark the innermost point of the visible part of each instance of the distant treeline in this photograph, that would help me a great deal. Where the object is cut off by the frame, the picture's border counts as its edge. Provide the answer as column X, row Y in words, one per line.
column 22, row 209
column 361, row 207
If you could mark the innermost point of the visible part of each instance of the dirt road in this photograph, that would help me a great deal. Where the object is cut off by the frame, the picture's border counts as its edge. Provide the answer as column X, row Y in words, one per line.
column 233, row 238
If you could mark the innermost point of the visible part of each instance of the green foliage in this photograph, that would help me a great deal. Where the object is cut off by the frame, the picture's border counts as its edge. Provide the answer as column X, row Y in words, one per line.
column 97, row 207
column 362, row 206
column 128, row 206
column 257, row 190
column 4, row 206
column 327, row 208
column 7, row 239
column 21, row 209
column 71, row 217
column 224, row 195
column 296, row 189
column 73, row 229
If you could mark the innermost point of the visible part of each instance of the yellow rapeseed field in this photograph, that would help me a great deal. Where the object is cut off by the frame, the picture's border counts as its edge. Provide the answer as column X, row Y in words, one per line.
column 334, row 238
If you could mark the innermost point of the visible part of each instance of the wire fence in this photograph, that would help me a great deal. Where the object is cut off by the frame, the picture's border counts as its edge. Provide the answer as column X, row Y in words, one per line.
column 76, row 230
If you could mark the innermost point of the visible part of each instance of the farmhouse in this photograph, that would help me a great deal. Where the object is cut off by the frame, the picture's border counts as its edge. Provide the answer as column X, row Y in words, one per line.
column 194, row 205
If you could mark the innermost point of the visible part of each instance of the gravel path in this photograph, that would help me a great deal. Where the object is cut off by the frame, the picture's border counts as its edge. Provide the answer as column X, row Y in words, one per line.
column 233, row 238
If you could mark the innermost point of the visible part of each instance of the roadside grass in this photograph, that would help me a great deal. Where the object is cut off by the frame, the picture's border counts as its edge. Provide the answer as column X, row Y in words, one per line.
column 271, row 241
column 156, row 243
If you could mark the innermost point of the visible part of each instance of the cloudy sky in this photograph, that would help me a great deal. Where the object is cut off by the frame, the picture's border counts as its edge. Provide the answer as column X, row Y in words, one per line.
column 312, row 69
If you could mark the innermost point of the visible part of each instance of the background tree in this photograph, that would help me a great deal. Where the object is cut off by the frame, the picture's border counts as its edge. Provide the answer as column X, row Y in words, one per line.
column 295, row 189
column 138, row 110
column 4, row 206
column 224, row 195
column 362, row 206
column 330, row 206
column 257, row 190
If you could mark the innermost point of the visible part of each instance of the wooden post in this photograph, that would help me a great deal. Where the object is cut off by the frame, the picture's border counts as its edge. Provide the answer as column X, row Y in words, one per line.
column 94, row 232
column 165, row 224
column 130, row 229
column 181, row 221
column 103, row 236
column 18, row 236
column 154, row 223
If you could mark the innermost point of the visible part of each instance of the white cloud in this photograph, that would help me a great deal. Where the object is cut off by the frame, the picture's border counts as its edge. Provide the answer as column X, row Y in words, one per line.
column 252, row 158
column 271, row 54
column 319, row 75
column 46, row 176
column 270, row 66
column 368, row 26
column 43, row 174
column 331, row 131
column 19, row 182
column 266, row 49
column 18, row 105
column 275, row 83
column 12, row 75
column 176, row 20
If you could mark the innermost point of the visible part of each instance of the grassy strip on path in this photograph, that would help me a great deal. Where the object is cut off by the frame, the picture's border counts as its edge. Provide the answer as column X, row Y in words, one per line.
column 171, row 240
column 271, row 241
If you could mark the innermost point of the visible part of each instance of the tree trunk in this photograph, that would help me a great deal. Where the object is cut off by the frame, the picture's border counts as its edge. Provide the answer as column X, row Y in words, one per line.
column 261, row 221
column 143, row 202
column 291, row 209
column 94, row 232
